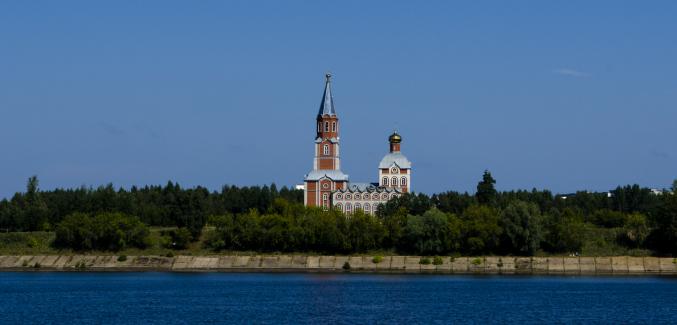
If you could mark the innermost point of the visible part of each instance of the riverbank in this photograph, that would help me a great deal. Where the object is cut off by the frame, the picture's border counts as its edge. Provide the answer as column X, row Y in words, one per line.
column 617, row 265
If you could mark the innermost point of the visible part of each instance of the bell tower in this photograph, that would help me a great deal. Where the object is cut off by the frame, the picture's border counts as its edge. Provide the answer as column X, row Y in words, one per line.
column 326, row 175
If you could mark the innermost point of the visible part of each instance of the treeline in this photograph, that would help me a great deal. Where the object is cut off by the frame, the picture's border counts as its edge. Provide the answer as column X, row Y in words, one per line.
column 169, row 205
column 628, row 220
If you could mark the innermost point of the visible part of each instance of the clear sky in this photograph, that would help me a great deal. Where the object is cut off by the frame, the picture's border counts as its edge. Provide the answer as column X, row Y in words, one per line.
column 565, row 95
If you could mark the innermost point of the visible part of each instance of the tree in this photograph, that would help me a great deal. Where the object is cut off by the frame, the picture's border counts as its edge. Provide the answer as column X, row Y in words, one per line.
column 566, row 231
column 432, row 233
column 106, row 231
column 486, row 193
column 35, row 211
column 481, row 229
column 522, row 227
column 636, row 230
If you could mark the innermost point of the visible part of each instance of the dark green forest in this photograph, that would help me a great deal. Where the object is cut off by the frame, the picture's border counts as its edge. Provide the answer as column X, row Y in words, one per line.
column 628, row 220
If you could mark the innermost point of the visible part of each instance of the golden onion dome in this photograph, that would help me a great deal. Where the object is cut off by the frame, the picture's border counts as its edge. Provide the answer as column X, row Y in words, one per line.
column 395, row 138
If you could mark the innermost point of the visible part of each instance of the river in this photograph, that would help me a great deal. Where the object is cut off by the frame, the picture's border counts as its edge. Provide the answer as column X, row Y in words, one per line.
column 168, row 298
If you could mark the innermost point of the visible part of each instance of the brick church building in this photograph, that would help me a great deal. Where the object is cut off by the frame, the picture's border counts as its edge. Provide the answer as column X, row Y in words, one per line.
column 327, row 186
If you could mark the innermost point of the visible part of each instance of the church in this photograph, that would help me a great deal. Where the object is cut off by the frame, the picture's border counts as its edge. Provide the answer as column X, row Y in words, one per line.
column 328, row 187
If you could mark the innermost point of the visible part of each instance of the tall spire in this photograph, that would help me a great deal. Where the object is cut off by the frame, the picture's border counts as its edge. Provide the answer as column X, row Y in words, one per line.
column 327, row 105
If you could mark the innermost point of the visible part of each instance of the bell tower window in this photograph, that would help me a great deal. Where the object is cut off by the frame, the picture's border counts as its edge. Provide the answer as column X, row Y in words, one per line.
column 325, row 150
column 326, row 126
column 385, row 181
column 333, row 127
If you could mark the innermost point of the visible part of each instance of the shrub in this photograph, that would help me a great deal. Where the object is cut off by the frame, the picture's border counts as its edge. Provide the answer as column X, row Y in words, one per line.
column 32, row 242
column 424, row 260
column 122, row 258
column 181, row 238
column 25, row 263
column 169, row 254
column 37, row 265
column 500, row 262
column 476, row 261
column 437, row 260
column 346, row 266
column 107, row 231
column 377, row 259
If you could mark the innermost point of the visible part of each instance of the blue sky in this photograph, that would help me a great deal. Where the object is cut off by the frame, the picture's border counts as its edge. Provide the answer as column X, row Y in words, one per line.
column 566, row 95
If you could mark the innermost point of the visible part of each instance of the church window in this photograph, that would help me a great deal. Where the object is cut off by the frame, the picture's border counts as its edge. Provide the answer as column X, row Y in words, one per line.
column 357, row 196
column 348, row 196
column 326, row 150
column 385, row 196
column 349, row 207
column 404, row 181
column 385, row 181
column 394, row 182
column 325, row 197
column 394, row 170
column 339, row 196
column 375, row 207
column 339, row 206
column 326, row 126
column 358, row 206
column 333, row 127
column 375, row 196
column 367, row 207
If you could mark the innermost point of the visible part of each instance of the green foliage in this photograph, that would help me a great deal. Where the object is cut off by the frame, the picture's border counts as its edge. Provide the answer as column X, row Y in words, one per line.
column 433, row 232
column 629, row 220
column 169, row 254
column 608, row 218
column 106, row 231
column 437, row 260
column 476, row 261
column 181, row 238
column 25, row 263
column 377, row 259
column 636, row 230
column 486, row 193
column 122, row 258
column 522, row 227
column 481, row 230
column 424, row 260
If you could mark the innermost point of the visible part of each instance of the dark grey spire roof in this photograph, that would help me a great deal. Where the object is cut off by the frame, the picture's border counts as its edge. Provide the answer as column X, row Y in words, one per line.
column 327, row 105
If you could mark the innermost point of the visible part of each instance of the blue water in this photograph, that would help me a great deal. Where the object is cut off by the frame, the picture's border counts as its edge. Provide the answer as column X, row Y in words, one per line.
column 161, row 298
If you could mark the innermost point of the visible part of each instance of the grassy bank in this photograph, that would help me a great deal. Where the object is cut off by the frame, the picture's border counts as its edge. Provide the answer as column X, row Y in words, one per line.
column 597, row 243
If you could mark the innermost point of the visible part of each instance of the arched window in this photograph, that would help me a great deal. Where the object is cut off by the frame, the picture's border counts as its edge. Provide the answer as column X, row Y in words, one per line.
column 326, row 150
column 326, row 126
column 375, row 207
column 357, row 196
column 365, row 196
column 348, row 196
column 404, row 181
column 333, row 127
column 339, row 206
column 375, row 196
column 339, row 196
column 385, row 196
column 325, row 197
column 394, row 182
column 349, row 207
column 358, row 206
column 385, row 181
column 367, row 207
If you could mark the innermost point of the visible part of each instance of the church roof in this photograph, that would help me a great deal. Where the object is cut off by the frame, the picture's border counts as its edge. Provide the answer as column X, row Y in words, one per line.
column 317, row 174
column 396, row 158
column 327, row 105
column 368, row 187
